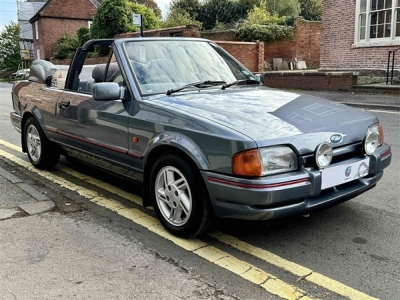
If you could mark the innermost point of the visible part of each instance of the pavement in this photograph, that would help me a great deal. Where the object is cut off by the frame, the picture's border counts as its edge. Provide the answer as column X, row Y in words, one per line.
column 20, row 199
column 47, row 254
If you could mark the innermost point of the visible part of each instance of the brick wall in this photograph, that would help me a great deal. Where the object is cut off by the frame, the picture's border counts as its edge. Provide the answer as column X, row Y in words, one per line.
column 52, row 30
column 249, row 54
column 57, row 18
column 305, row 45
column 308, row 41
column 313, row 80
column 337, row 51
column 219, row 35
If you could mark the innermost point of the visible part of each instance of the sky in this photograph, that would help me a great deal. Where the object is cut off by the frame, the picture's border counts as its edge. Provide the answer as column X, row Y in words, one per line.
column 8, row 11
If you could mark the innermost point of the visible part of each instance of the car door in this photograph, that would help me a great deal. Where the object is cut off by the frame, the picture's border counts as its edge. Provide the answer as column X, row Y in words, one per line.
column 95, row 131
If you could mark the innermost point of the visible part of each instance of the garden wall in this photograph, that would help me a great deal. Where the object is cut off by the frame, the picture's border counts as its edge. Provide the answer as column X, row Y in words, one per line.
column 251, row 55
column 305, row 46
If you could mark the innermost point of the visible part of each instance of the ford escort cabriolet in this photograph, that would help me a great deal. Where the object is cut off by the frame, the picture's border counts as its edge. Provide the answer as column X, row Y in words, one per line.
column 198, row 131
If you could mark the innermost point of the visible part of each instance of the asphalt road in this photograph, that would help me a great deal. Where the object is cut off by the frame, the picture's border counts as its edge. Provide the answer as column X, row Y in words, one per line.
column 355, row 244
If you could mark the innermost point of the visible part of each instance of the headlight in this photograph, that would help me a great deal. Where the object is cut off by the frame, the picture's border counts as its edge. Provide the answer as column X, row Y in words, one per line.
column 323, row 155
column 378, row 129
column 264, row 161
column 371, row 142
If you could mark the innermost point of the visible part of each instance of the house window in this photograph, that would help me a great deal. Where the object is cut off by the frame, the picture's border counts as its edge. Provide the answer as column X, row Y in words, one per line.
column 37, row 30
column 89, row 23
column 377, row 22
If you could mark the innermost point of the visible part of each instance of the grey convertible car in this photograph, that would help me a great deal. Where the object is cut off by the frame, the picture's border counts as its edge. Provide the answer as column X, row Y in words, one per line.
column 198, row 131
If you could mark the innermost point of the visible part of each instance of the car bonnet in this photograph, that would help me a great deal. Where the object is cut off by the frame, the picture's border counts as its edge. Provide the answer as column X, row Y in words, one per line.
column 271, row 116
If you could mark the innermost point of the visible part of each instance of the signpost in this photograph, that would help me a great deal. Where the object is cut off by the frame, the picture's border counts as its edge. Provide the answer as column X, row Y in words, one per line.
column 138, row 21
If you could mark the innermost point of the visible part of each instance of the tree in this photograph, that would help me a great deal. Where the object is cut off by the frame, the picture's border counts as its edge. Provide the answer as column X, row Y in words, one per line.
column 311, row 9
column 261, row 25
column 217, row 11
column 192, row 7
column 150, row 20
column 243, row 7
column 9, row 47
column 179, row 18
column 150, row 4
column 288, row 8
column 259, row 15
column 112, row 17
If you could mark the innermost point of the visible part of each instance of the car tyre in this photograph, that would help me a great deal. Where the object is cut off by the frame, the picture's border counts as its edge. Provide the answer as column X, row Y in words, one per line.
column 179, row 197
column 42, row 153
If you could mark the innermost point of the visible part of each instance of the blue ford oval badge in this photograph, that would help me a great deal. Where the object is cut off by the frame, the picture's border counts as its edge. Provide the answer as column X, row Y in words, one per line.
column 336, row 138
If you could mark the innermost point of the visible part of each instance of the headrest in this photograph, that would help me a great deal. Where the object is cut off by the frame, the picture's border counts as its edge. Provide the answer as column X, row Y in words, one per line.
column 41, row 71
column 98, row 72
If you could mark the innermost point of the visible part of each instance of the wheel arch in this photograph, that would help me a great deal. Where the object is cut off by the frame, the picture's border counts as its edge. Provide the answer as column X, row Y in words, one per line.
column 34, row 113
column 194, row 157
column 25, row 118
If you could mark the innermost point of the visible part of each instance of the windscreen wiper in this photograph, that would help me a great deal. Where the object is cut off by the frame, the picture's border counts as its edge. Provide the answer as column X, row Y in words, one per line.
column 239, row 82
column 200, row 84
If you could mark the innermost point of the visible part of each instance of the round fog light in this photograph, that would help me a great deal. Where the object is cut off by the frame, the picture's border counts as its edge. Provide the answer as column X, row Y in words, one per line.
column 323, row 155
column 371, row 142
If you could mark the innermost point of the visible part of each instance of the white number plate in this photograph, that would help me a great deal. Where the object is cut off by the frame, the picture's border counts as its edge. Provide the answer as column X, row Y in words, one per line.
column 344, row 173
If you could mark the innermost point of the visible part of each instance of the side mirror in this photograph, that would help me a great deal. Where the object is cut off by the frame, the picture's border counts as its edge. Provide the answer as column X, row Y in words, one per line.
column 106, row 91
column 260, row 78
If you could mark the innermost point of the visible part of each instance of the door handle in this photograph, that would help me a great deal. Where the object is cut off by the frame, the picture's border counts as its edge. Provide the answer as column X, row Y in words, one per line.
column 64, row 103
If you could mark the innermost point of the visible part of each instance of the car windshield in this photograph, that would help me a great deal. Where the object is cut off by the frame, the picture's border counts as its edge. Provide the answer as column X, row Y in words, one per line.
column 160, row 66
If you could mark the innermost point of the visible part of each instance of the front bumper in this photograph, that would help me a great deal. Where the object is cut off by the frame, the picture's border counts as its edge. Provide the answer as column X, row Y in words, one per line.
column 286, row 194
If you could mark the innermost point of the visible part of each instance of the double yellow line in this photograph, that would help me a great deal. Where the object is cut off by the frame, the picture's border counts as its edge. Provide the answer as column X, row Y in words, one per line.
column 212, row 254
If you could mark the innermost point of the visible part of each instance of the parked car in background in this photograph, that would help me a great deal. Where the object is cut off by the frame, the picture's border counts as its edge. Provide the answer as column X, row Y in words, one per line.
column 198, row 131
column 21, row 73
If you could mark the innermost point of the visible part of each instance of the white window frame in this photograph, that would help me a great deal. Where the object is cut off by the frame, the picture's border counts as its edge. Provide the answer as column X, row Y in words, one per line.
column 372, row 42
column 89, row 24
column 36, row 30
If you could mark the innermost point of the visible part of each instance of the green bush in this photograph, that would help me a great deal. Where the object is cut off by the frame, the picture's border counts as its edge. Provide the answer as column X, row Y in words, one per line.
column 65, row 46
column 83, row 35
column 112, row 17
column 179, row 18
column 265, row 33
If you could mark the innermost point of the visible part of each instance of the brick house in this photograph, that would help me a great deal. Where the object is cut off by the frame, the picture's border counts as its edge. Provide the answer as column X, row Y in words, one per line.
column 358, row 35
column 56, row 18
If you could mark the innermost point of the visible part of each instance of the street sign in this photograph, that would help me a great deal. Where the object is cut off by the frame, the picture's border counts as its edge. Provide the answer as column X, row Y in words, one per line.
column 137, row 19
